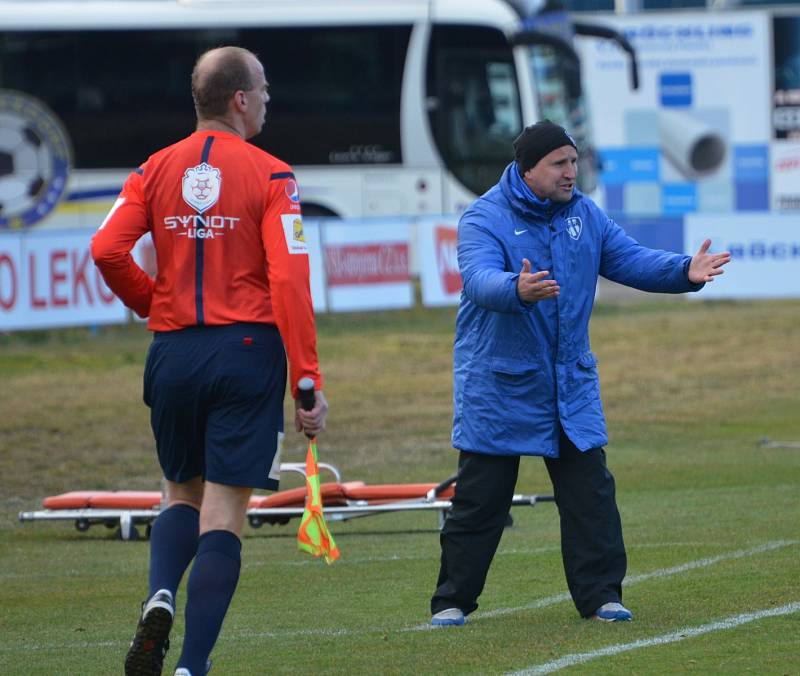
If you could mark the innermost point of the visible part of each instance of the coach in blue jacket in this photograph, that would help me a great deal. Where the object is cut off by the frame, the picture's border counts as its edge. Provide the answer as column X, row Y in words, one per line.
column 525, row 380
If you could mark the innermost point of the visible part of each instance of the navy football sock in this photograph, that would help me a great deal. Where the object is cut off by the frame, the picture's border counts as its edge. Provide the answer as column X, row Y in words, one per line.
column 209, row 592
column 173, row 544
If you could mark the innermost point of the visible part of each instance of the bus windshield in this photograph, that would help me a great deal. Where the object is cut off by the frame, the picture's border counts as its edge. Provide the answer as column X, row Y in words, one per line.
column 556, row 102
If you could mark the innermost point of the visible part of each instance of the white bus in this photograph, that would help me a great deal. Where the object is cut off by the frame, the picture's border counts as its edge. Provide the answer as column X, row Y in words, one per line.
column 383, row 107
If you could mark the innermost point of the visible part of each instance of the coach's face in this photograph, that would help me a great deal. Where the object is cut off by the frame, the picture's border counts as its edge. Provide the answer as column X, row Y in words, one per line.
column 553, row 177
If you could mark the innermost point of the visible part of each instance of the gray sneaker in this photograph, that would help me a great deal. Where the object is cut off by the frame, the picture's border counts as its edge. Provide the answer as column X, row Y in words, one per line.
column 613, row 612
column 151, row 640
column 450, row 617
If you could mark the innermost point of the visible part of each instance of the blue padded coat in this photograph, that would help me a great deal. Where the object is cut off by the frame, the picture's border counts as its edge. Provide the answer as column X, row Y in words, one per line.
column 521, row 368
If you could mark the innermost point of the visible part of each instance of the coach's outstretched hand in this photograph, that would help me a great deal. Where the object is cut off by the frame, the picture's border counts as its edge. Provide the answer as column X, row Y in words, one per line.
column 705, row 266
column 532, row 286
column 311, row 422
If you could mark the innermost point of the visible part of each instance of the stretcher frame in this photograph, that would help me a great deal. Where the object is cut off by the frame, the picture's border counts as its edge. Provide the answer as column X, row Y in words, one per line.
column 126, row 520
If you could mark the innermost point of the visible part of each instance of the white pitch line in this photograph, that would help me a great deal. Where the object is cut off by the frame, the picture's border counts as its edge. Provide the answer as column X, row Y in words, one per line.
column 346, row 560
column 498, row 612
column 672, row 637
column 395, row 558
column 306, row 561
column 663, row 572
column 709, row 561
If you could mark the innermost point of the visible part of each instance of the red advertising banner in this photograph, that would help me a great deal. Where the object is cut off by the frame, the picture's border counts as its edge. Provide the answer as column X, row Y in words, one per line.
column 446, row 239
column 367, row 263
column 439, row 275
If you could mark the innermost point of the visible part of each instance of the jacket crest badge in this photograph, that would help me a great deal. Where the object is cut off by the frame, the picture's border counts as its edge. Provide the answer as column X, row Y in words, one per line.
column 201, row 186
column 574, row 226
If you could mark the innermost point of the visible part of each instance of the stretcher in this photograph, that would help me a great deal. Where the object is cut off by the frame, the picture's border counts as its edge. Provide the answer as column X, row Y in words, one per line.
column 342, row 500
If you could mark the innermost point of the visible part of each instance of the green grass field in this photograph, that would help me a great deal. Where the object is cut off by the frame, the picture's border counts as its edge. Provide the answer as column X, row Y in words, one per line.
column 711, row 519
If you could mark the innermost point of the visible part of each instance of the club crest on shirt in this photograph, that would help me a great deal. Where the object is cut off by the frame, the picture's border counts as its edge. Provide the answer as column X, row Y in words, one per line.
column 574, row 226
column 201, row 186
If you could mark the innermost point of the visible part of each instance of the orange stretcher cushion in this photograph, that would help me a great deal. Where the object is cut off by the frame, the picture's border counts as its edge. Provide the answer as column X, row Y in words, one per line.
column 333, row 493
column 71, row 500
column 103, row 500
column 126, row 500
column 382, row 493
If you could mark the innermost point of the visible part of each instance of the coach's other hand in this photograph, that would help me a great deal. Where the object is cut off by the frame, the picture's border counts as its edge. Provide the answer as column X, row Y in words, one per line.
column 532, row 287
column 705, row 266
column 311, row 422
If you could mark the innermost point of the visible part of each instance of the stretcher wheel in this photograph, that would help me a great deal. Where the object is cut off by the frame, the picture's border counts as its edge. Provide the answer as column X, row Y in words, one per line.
column 82, row 525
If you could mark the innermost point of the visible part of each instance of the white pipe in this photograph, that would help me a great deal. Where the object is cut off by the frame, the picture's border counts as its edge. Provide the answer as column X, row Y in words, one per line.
column 691, row 145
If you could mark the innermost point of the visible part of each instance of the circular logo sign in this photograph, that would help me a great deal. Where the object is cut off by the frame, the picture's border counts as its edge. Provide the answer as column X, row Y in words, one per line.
column 35, row 160
column 291, row 190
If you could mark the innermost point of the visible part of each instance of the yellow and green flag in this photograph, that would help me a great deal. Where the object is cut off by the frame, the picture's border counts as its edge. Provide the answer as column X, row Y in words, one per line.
column 313, row 536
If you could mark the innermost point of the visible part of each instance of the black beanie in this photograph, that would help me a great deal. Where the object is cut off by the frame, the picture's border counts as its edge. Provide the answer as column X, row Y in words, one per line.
column 538, row 140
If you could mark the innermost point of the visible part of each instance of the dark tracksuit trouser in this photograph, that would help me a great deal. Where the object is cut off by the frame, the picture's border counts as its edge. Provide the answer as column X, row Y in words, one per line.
column 592, row 548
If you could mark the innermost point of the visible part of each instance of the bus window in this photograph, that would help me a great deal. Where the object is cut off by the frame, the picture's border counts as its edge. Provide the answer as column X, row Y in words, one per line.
column 123, row 94
column 120, row 94
column 474, row 105
column 335, row 92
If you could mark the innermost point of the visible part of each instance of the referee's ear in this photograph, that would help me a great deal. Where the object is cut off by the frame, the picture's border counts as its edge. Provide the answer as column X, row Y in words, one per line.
column 240, row 100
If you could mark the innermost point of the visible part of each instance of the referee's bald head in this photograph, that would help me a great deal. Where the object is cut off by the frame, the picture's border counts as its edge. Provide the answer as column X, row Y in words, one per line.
column 218, row 74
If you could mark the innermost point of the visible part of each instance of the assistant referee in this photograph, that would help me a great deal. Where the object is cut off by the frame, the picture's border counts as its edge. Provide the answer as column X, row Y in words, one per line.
column 229, row 303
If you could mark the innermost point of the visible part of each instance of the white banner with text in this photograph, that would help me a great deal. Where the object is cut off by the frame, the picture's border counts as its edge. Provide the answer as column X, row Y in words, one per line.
column 367, row 265
column 48, row 279
column 765, row 254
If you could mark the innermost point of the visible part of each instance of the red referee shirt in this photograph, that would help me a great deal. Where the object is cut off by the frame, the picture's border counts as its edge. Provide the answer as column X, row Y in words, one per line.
column 226, row 224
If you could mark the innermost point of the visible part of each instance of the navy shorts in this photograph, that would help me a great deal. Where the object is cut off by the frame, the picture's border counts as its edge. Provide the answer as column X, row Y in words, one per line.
column 216, row 403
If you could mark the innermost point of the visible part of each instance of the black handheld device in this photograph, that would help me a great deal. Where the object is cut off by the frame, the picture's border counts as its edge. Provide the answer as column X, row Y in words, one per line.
column 306, row 388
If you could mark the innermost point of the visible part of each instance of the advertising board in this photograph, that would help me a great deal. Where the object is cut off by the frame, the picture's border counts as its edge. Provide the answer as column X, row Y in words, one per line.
column 765, row 254
column 48, row 279
column 438, row 261
column 695, row 136
column 367, row 265
column 786, row 114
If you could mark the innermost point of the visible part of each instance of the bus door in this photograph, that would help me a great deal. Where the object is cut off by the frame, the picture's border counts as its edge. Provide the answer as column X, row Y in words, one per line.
column 473, row 106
